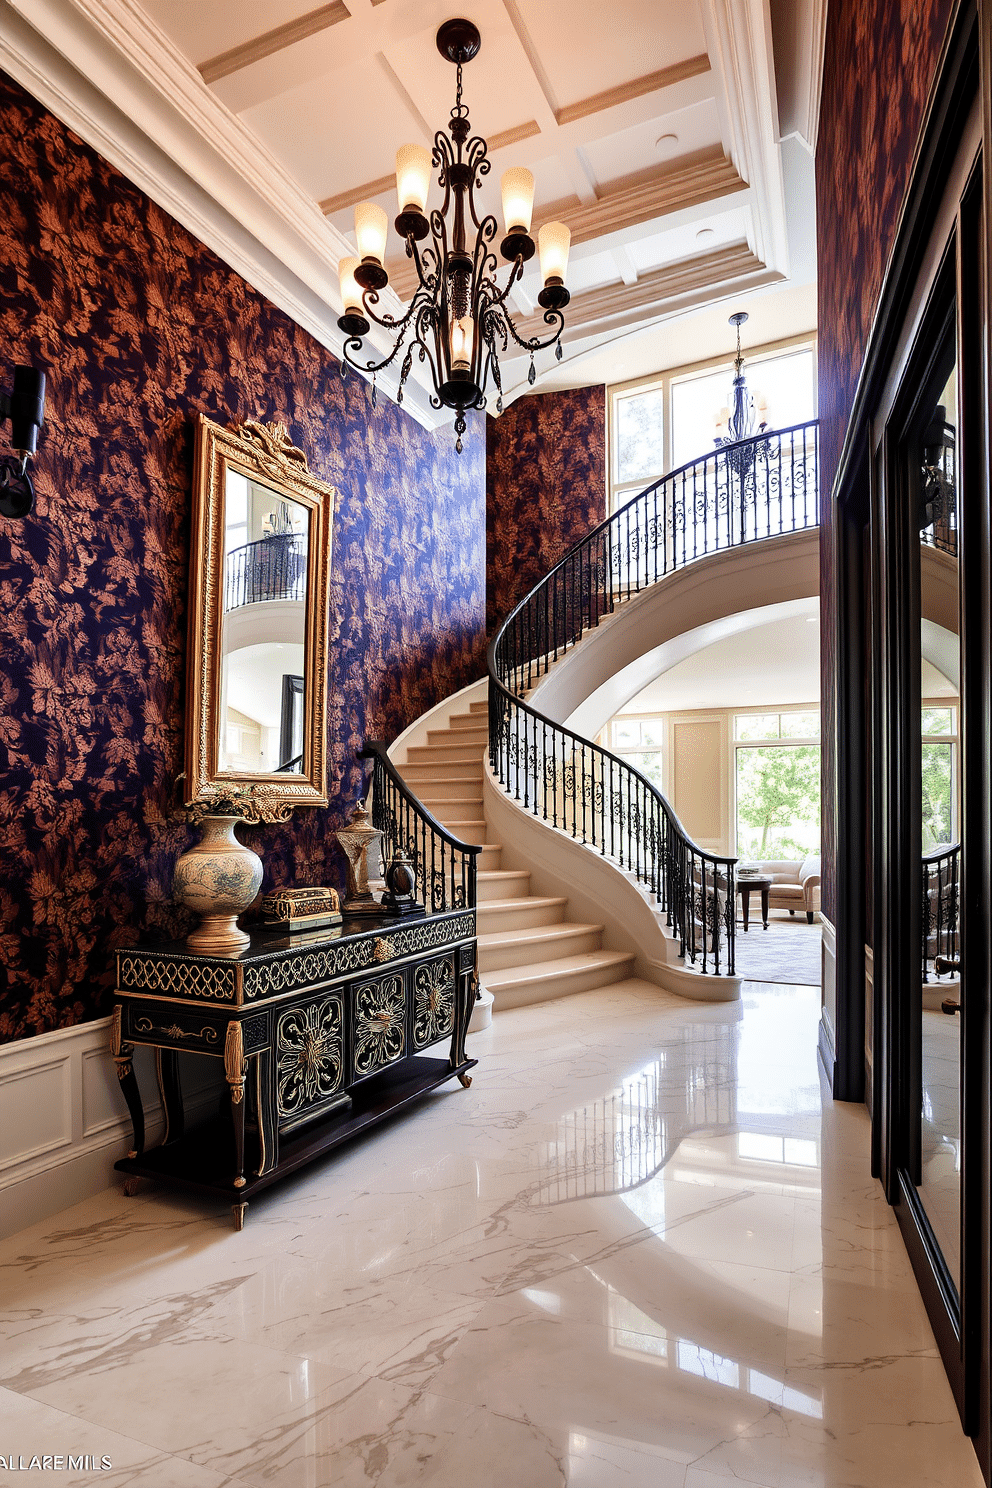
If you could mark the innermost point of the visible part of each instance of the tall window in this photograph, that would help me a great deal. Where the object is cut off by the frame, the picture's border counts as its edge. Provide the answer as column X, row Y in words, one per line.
column 663, row 422
column 639, row 742
column 939, row 729
column 781, row 385
column 777, row 778
column 638, row 454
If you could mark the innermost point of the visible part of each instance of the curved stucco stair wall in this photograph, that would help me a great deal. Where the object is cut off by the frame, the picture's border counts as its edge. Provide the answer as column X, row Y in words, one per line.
column 689, row 609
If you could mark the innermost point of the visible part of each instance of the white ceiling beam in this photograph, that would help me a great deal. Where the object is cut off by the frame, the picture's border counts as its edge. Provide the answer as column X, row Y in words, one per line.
column 625, row 264
column 276, row 40
column 581, row 177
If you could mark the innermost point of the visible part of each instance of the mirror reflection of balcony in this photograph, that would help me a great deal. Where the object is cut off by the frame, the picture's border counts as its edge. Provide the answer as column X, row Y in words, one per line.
column 273, row 568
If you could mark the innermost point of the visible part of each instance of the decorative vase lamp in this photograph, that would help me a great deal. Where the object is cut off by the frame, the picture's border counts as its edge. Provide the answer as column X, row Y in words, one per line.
column 218, row 878
column 356, row 839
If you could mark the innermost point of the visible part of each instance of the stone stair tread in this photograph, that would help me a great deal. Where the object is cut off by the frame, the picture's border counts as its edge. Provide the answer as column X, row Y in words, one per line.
column 423, row 754
column 446, row 802
column 533, row 901
column 438, row 806
column 537, row 935
column 466, row 770
column 538, row 971
column 500, row 873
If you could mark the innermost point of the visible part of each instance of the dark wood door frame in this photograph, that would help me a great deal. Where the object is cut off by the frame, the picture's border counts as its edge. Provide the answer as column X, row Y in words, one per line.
column 870, row 783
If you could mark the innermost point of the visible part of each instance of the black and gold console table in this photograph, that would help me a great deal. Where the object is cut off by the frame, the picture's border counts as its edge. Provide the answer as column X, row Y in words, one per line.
column 320, row 1034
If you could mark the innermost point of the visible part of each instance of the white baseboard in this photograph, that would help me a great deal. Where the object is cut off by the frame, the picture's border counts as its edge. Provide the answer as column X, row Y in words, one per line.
column 64, row 1121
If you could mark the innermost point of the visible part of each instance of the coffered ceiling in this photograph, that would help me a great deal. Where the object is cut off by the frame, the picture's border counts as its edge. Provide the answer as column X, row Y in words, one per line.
column 661, row 131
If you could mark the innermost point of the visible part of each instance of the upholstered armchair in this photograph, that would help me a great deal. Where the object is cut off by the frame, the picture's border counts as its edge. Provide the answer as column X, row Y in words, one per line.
column 795, row 884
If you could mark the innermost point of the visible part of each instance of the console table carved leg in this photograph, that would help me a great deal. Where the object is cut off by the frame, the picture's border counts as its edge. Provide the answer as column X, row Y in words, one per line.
column 167, row 1069
column 238, row 1210
column 122, row 1055
column 235, row 1071
column 266, row 1113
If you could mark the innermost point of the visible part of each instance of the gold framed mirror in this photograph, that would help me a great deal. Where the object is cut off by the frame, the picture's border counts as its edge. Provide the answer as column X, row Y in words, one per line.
column 260, row 557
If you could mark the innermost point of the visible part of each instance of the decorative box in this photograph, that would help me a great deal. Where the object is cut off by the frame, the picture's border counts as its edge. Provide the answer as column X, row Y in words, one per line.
column 301, row 909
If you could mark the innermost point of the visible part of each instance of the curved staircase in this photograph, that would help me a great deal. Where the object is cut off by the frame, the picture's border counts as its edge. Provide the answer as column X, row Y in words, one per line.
column 529, row 950
column 586, row 820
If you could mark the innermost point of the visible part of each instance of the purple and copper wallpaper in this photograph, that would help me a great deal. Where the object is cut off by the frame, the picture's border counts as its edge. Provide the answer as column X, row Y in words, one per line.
column 138, row 326
column 879, row 66
column 546, row 488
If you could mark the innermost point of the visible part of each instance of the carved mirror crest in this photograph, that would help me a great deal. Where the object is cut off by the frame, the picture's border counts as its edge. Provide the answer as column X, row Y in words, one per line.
column 259, row 565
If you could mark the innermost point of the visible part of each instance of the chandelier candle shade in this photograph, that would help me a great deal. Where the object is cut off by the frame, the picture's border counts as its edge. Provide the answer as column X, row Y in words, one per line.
column 457, row 321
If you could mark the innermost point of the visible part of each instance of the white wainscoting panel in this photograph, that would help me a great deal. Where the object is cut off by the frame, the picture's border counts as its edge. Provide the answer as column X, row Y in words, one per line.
column 64, row 1122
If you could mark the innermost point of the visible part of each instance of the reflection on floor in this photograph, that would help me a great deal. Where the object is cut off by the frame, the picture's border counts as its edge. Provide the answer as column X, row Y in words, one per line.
column 941, row 1136
column 634, row 1253
column 788, row 951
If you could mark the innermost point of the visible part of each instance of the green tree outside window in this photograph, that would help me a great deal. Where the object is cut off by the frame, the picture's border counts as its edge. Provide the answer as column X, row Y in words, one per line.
column 778, row 802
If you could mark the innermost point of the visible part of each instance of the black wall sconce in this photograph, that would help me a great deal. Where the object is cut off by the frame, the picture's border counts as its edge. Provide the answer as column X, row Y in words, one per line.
column 25, row 407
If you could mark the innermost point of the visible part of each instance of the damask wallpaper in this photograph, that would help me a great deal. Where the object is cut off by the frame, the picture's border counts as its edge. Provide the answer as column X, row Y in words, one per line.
column 879, row 65
column 138, row 326
column 546, row 488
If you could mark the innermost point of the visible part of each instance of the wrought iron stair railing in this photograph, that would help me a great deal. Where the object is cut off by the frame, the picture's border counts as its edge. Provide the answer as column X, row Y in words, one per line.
column 446, row 868
column 762, row 487
column 275, row 567
column 940, row 907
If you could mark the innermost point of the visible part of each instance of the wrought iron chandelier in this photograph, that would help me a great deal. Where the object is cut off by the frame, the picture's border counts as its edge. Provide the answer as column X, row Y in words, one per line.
column 741, row 422
column 458, row 321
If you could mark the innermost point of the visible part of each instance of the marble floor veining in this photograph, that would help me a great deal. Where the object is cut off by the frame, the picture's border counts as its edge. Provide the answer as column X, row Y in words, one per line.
column 642, row 1250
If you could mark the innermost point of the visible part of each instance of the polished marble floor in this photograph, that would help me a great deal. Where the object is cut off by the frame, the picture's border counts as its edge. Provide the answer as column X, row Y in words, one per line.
column 636, row 1252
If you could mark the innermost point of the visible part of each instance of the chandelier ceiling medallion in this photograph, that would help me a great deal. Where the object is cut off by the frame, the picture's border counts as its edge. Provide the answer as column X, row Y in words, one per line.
column 458, row 321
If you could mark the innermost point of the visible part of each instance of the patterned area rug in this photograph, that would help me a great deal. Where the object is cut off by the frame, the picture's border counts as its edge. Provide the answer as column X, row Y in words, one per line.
column 788, row 951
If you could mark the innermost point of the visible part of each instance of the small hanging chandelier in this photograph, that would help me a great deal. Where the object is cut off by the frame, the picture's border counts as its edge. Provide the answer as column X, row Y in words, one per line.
column 740, row 422
column 457, row 321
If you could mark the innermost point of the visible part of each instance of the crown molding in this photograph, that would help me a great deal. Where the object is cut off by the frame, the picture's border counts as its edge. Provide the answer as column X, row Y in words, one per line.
column 814, row 88
column 739, row 44
column 105, row 70
column 668, row 191
column 723, row 274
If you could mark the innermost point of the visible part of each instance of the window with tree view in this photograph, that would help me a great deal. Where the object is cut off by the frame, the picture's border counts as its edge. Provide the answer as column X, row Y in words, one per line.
column 639, row 742
column 939, row 729
column 777, row 777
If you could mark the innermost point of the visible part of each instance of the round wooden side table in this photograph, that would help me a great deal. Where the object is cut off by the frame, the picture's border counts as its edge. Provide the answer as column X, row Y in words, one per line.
column 745, row 885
